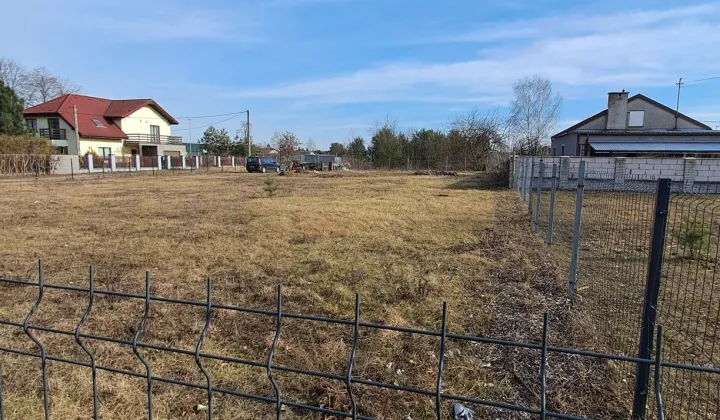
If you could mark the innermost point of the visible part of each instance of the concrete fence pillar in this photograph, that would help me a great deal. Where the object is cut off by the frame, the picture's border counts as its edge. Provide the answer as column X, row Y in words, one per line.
column 89, row 162
column 564, row 172
column 232, row 161
column 182, row 162
column 689, row 174
column 159, row 162
column 218, row 159
column 197, row 162
column 168, row 162
column 137, row 163
column 620, row 170
column 113, row 163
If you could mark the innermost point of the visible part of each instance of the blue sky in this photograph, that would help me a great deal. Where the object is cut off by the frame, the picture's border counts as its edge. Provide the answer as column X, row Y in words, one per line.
column 327, row 68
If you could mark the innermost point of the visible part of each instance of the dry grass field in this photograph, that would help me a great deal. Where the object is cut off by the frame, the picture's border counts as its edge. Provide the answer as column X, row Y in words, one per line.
column 404, row 243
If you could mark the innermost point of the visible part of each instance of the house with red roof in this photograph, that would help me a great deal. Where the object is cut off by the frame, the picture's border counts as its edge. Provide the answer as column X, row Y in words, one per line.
column 79, row 124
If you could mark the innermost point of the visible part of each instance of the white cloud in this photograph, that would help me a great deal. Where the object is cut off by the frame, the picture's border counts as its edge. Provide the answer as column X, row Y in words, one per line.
column 627, row 50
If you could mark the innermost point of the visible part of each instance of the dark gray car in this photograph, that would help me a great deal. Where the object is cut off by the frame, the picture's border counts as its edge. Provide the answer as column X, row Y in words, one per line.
column 261, row 164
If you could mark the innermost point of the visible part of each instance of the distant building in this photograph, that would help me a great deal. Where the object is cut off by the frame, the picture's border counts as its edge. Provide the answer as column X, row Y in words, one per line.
column 194, row 149
column 105, row 126
column 268, row 151
column 636, row 126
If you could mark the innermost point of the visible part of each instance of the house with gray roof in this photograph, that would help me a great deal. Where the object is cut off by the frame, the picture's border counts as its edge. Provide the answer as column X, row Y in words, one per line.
column 637, row 126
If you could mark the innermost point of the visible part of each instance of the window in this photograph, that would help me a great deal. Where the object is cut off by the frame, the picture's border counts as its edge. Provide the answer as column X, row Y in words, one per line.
column 31, row 124
column 155, row 133
column 54, row 123
column 562, row 150
column 98, row 123
column 636, row 118
column 104, row 151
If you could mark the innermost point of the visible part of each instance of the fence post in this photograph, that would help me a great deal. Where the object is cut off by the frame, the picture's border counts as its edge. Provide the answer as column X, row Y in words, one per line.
column 158, row 162
column 521, row 181
column 137, row 163
column 197, row 162
column 113, row 163
column 532, row 174
column 168, row 162
column 652, row 290
column 689, row 173
column 183, row 164
column 89, row 162
column 576, row 228
column 538, row 194
column 72, row 169
column 564, row 172
column 551, row 215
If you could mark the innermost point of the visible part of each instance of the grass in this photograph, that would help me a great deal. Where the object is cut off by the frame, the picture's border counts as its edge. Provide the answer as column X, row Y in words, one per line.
column 404, row 243
column 612, row 273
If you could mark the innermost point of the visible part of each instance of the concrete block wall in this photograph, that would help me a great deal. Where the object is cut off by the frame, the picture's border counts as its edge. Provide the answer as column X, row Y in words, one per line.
column 688, row 171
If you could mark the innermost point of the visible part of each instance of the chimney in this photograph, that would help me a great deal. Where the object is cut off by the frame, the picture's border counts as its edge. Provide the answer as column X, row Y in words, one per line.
column 617, row 110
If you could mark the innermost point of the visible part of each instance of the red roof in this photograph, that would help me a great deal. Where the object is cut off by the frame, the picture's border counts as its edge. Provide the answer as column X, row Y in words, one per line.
column 90, row 108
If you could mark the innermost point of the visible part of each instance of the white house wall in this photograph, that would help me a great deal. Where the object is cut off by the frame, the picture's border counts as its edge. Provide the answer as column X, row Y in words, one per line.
column 42, row 122
column 139, row 122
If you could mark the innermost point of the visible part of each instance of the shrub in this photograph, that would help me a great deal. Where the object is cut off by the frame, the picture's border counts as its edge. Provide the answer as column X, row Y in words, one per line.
column 270, row 187
column 24, row 145
column 694, row 237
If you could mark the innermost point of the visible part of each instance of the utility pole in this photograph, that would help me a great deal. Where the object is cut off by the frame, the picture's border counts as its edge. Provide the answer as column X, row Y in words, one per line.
column 77, row 131
column 677, row 107
column 248, row 133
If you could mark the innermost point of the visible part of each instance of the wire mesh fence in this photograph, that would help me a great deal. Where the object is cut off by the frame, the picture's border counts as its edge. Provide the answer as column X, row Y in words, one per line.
column 82, row 353
column 601, row 226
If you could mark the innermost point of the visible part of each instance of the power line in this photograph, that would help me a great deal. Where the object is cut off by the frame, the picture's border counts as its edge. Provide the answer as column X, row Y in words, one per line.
column 208, row 125
column 703, row 80
column 211, row 116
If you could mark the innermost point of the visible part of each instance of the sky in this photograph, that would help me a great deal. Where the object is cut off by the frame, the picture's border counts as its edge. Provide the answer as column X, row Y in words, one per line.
column 329, row 69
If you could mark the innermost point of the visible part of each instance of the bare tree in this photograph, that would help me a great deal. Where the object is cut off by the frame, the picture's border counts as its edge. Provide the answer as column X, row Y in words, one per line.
column 476, row 136
column 533, row 113
column 310, row 145
column 286, row 144
column 44, row 86
column 35, row 86
column 14, row 76
column 242, row 132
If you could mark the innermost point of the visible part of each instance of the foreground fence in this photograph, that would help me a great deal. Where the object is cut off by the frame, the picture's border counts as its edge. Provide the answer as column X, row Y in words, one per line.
column 639, row 252
column 442, row 400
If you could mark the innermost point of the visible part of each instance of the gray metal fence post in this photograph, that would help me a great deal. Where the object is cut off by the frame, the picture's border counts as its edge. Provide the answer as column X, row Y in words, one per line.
column 576, row 229
column 652, row 290
column 551, row 215
column 521, row 185
column 532, row 174
column 538, row 195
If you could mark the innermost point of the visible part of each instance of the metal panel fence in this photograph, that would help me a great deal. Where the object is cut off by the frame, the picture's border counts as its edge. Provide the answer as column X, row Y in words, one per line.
column 626, row 275
column 277, row 398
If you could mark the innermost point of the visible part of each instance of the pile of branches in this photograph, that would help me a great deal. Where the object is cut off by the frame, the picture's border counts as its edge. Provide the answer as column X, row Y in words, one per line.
column 437, row 173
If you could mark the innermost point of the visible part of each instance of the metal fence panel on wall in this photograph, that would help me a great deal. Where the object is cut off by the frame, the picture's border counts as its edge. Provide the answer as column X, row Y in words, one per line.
column 689, row 305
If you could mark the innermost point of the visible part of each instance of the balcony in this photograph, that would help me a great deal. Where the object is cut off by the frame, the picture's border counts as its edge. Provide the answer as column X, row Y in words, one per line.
column 153, row 139
column 53, row 133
